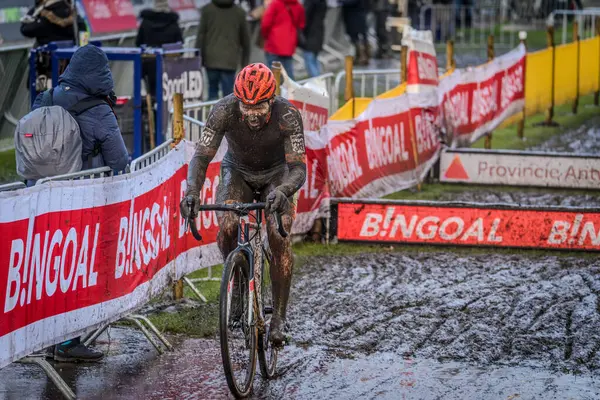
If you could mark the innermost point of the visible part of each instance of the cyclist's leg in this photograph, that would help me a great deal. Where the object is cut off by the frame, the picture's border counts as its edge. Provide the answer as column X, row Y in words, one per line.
column 281, row 268
column 232, row 189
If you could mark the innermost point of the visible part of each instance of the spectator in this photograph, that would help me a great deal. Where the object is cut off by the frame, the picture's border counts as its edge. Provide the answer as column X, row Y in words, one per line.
column 159, row 26
column 279, row 27
column 314, row 32
column 354, row 13
column 49, row 21
column 88, row 75
column 224, row 41
column 381, row 9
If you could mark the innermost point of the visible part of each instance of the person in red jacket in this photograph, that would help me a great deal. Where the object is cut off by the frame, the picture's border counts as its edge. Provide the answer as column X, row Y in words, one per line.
column 279, row 27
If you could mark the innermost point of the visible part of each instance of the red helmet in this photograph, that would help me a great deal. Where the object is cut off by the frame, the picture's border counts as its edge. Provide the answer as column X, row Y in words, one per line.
column 254, row 84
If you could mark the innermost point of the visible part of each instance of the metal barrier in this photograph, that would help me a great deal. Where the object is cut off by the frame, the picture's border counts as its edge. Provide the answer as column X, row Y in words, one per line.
column 86, row 174
column 585, row 18
column 382, row 80
column 152, row 156
column 12, row 186
column 467, row 26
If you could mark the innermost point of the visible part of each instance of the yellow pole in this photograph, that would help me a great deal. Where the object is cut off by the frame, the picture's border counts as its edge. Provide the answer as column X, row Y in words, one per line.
column 150, row 121
column 276, row 68
column 178, row 290
column 178, row 131
column 521, row 125
column 490, row 54
column 349, row 89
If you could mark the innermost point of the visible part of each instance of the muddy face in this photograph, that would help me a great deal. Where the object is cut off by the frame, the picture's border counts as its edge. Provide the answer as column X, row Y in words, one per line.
column 256, row 116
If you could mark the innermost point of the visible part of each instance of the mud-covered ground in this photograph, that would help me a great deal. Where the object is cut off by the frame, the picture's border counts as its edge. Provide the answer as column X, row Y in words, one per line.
column 419, row 325
column 583, row 140
column 534, row 197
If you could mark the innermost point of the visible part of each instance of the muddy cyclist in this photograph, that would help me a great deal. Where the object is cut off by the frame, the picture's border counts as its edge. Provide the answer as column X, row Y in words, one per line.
column 265, row 155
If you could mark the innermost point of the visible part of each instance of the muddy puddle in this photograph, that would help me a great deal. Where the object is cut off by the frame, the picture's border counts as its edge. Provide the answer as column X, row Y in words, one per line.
column 583, row 140
column 425, row 325
column 531, row 197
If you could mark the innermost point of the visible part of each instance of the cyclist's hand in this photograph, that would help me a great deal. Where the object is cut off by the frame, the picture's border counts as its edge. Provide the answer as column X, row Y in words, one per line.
column 189, row 206
column 277, row 201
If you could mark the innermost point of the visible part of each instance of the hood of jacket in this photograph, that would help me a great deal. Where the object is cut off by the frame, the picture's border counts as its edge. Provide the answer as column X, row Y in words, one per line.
column 290, row 2
column 159, row 19
column 223, row 3
column 88, row 72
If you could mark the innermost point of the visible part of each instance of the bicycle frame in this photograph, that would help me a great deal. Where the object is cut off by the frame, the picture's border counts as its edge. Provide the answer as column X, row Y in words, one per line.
column 256, row 265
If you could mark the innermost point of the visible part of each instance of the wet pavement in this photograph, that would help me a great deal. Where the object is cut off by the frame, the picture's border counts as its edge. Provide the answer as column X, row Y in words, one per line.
column 425, row 325
column 583, row 140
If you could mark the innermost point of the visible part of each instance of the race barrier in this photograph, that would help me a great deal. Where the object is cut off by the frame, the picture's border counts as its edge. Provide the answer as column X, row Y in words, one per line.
column 520, row 168
column 476, row 101
column 78, row 254
column 466, row 224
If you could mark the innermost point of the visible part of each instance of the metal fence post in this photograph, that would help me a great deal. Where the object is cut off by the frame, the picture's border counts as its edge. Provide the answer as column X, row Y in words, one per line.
column 276, row 68
column 178, row 132
column 521, row 125
column 576, row 40
column 490, row 54
column 349, row 89
column 551, row 44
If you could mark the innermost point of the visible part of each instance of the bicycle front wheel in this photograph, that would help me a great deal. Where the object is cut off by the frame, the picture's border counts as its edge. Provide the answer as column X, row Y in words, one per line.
column 237, row 333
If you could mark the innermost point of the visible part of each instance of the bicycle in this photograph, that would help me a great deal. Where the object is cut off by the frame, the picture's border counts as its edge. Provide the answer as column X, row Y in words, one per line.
column 247, row 260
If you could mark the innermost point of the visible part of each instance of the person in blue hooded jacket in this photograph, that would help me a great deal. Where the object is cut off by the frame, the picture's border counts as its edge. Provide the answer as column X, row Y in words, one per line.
column 88, row 75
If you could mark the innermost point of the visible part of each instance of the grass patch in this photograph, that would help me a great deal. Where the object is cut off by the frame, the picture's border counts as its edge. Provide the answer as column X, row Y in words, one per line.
column 201, row 321
column 8, row 167
column 506, row 138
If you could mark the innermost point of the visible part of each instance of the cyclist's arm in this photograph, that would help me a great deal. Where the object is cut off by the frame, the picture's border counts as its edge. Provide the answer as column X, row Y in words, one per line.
column 206, row 148
column 295, row 152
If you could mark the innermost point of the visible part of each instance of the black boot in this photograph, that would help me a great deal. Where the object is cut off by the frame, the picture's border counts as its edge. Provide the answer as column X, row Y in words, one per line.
column 74, row 350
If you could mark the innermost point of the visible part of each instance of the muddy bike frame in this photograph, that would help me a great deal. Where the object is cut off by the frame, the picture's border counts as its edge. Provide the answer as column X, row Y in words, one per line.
column 247, row 245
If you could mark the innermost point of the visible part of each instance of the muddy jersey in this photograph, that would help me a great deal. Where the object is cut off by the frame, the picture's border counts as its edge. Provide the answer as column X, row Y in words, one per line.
column 277, row 146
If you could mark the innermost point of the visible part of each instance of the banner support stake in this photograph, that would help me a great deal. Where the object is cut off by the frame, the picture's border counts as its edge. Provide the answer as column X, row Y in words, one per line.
column 597, row 94
column 276, row 68
column 349, row 89
column 491, row 55
column 178, row 130
column 521, row 125
column 577, row 62
column 450, row 61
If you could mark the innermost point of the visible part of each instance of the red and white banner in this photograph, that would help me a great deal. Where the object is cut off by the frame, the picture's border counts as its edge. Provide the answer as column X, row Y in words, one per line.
column 422, row 60
column 492, row 167
column 391, row 146
column 76, row 254
column 312, row 101
column 106, row 16
column 476, row 225
column 475, row 101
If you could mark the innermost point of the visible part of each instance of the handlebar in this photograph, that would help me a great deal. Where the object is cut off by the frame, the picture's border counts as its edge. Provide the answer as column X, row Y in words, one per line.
column 238, row 208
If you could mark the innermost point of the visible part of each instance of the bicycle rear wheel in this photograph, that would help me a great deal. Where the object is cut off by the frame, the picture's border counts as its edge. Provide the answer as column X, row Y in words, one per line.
column 267, row 354
column 238, row 338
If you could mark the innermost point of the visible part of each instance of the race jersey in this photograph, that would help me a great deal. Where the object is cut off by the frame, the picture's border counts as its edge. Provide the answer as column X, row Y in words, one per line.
column 276, row 146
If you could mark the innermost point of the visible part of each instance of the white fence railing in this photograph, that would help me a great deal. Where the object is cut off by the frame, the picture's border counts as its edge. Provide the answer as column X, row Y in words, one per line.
column 586, row 21
column 152, row 156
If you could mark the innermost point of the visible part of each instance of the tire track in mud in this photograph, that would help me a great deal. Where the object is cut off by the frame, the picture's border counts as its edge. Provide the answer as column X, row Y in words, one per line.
column 494, row 308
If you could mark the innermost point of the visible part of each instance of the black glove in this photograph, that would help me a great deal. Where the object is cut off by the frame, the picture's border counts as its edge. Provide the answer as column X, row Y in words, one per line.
column 277, row 201
column 186, row 209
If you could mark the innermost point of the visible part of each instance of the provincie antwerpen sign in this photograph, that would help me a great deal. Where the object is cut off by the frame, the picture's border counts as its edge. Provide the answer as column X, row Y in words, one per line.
column 489, row 167
column 476, row 225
